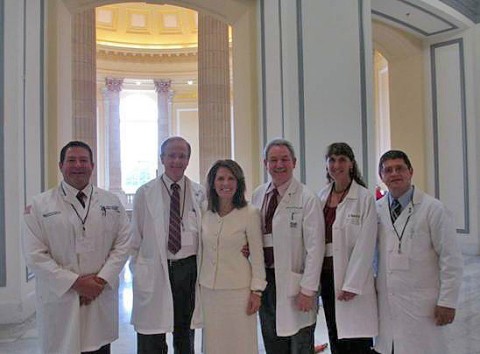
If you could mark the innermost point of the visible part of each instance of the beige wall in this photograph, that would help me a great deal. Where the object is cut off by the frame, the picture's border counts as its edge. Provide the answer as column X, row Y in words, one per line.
column 405, row 55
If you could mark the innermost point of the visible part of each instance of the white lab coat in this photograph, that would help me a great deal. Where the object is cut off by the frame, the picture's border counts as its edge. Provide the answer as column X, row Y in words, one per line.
column 298, row 244
column 152, row 311
column 409, row 291
column 354, row 235
column 51, row 245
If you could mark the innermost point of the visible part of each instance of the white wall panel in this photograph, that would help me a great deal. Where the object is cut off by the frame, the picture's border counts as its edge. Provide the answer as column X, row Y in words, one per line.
column 334, row 80
column 449, row 129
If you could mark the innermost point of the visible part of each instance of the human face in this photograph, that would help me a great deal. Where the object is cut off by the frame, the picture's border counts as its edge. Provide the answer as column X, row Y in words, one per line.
column 397, row 176
column 280, row 164
column 175, row 159
column 225, row 184
column 77, row 167
column 339, row 167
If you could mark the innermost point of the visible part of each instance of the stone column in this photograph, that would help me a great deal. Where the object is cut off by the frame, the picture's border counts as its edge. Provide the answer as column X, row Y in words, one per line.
column 84, row 100
column 113, row 164
column 213, row 91
column 162, row 87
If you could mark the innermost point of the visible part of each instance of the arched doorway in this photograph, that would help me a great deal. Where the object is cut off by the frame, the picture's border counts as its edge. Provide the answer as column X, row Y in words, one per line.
column 405, row 82
column 242, row 18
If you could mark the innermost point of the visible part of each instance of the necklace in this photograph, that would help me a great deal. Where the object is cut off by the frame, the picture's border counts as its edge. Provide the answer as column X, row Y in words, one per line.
column 342, row 194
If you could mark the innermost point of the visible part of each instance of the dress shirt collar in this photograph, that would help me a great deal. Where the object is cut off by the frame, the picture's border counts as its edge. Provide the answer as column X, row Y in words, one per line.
column 169, row 182
column 282, row 189
column 69, row 190
column 404, row 199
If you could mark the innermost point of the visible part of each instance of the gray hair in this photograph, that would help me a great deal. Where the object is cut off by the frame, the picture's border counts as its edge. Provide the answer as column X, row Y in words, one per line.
column 279, row 142
column 170, row 139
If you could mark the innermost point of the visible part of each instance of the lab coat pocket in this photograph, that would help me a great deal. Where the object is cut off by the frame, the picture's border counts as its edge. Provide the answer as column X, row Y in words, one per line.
column 46, row 295
column 191, row 223
column 295, row 220
column 143, row 275
column 294, row 284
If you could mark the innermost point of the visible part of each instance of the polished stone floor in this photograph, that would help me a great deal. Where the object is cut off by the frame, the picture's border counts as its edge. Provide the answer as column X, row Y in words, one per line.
column 463, row 334
column 126, row 343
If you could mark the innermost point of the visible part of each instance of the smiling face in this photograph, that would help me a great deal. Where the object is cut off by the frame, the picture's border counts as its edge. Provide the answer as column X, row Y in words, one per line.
column 339, row 168
column 225, row 184
column 280, row 164
column 76, row 167
column 175, row 159
column 397, row 176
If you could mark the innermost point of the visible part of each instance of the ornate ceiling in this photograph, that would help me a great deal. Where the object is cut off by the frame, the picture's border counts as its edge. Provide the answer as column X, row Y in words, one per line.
column 133, row 30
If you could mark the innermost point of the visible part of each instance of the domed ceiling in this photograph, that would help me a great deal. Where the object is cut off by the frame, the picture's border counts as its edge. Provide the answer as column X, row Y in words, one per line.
column 139, row 28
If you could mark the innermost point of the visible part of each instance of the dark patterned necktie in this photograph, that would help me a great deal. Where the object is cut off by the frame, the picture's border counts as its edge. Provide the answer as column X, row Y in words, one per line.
column 395, row 210
column 81, row 198
column 174, row 232
column 272, row 206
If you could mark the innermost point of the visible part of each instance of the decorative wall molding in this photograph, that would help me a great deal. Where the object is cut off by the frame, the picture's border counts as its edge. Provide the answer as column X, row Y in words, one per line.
column 3, row 258
column 146, row 56
column 469, row 8
column 411, row 16
column 442, row 97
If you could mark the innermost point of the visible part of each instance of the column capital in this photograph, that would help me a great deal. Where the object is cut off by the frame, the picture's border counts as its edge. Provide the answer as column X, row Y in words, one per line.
column 113, row 85
column 162, row 86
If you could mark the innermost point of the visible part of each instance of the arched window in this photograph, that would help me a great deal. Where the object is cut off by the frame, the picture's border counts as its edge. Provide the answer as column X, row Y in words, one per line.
column 138, row 132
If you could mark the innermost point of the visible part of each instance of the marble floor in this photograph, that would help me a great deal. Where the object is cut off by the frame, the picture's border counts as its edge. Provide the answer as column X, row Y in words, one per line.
column 126, row 343
column 463, row 334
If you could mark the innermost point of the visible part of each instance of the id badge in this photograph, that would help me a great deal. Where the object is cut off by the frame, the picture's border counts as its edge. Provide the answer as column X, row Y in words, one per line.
column 84, row 245
column 267, row 240
column 187, row 238
column 399, row 261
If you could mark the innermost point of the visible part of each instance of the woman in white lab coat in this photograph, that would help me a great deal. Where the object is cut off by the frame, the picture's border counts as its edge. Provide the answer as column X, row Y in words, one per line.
column 347, row 284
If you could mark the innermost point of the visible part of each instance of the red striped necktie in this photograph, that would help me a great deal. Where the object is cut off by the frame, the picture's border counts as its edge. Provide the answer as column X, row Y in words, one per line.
column 174, row 232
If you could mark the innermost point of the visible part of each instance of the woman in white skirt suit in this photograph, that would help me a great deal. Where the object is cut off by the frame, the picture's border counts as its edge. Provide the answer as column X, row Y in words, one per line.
column 231, row 284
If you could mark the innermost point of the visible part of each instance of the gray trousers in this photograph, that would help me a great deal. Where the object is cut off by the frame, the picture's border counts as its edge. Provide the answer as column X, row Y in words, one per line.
column 301, row 342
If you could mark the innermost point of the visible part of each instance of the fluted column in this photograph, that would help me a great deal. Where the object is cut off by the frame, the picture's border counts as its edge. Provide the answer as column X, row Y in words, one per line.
column 163, row 89
column 83, row 80
column 213, row 91
column 111, row 95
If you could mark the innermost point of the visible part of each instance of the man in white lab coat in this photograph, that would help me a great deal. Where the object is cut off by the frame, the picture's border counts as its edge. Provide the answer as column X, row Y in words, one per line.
column 165, row 233
column 294, row 245
column 76, row 242
column 420, row 265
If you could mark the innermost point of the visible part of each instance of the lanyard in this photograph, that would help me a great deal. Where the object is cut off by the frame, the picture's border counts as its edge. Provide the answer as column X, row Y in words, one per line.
column 84, row 220
column 184, row 195
column 400, row 236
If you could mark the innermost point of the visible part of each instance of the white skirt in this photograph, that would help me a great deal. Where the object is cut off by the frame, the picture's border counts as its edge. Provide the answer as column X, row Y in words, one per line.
column 227, row 327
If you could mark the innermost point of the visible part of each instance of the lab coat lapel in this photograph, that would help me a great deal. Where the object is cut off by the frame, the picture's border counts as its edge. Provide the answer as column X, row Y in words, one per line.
column 156, row 206
column 384, row 213
column 288, row 197
column 71, row 202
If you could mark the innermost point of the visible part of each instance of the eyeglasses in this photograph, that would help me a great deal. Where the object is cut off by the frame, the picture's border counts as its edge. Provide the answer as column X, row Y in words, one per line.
column 395, row 169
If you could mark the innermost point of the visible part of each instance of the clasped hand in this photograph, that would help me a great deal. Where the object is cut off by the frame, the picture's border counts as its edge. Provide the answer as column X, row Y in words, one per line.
column 89, row 287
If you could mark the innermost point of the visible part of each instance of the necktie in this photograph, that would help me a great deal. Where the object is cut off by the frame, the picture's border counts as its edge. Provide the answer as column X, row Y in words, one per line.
column 395, row 210
column 174, row 232
column 81, row 198
column 272, row 206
